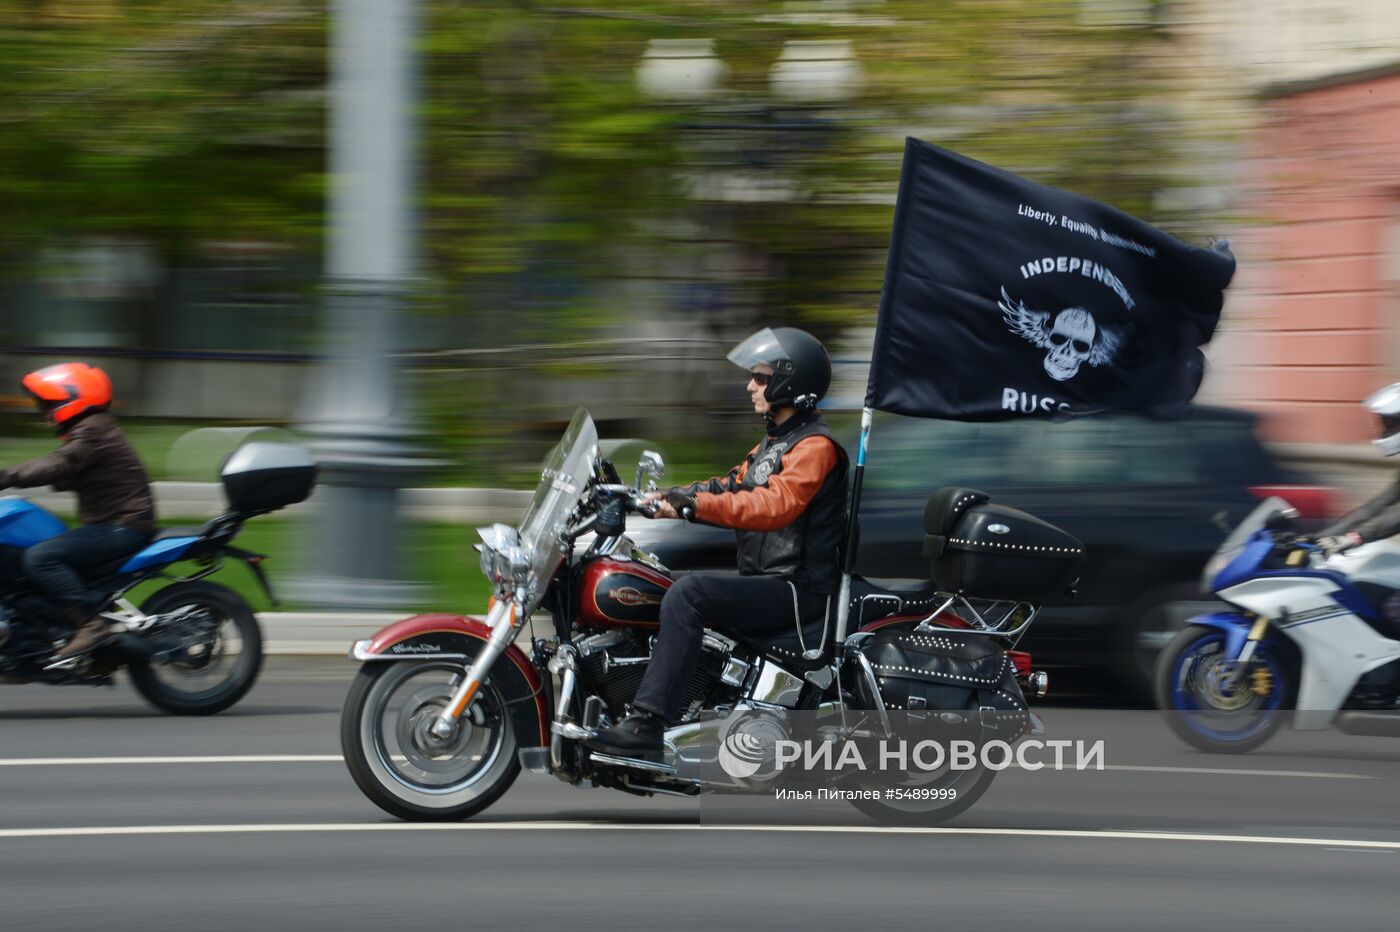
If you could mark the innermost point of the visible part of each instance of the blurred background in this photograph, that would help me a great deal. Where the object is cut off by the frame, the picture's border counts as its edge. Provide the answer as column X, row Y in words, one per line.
column 604, row 197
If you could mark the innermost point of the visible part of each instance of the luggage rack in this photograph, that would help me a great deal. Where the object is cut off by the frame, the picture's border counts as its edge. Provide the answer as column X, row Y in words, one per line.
column 1013, row 621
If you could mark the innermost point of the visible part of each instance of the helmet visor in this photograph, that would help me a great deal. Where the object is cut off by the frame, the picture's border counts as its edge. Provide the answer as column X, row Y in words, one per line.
column 762, row 348
column 1385, row 402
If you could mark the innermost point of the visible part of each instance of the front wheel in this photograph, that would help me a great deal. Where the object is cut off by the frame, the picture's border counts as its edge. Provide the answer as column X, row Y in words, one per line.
column 1210, row 705
column 210, row 649
column 405, row 769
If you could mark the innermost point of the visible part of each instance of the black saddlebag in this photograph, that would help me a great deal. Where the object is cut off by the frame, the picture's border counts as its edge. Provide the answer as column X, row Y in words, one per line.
column 942, row 671
column 990, row 551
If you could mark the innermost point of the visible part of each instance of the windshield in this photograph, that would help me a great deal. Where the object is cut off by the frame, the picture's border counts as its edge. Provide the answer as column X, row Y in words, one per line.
column 564, row 478
column 1235, row 542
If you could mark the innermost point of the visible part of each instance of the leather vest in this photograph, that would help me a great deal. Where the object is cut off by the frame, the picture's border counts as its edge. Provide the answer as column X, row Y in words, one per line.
column 808, row 551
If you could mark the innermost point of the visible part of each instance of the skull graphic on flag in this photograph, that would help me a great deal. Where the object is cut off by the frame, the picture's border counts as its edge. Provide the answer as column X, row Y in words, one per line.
column 1071, row 340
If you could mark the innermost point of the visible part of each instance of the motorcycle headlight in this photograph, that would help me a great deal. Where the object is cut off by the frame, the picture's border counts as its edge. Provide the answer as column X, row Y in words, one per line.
column 503, row 558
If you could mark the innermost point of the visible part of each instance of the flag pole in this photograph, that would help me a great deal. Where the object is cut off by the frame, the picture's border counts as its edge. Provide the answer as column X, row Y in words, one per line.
column 867, row 416
column 843, row 606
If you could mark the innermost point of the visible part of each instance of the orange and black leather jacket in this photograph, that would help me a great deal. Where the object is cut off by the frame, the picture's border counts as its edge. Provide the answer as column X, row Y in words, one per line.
column 786, row 503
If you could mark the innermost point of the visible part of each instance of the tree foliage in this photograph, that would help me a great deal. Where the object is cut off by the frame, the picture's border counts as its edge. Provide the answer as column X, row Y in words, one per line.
column 545, row 169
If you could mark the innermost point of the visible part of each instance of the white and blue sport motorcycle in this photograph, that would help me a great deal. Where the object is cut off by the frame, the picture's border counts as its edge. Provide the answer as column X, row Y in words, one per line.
column 1306, row 637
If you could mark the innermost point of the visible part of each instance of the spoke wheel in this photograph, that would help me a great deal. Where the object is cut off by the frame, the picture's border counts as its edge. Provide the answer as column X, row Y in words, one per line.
column 210, row 649
column 401, row 765
column 925, row 797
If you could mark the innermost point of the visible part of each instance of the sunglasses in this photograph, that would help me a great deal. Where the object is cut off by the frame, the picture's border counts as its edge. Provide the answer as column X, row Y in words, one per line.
column 761, row 378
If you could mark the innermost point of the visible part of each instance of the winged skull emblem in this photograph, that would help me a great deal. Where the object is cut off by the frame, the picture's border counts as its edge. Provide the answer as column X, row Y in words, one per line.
column 1072, row 340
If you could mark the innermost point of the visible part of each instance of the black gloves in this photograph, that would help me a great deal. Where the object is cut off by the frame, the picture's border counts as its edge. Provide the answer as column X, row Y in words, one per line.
column 682, row 501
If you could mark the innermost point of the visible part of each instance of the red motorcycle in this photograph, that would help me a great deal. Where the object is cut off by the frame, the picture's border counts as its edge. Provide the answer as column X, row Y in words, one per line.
column 447, row 709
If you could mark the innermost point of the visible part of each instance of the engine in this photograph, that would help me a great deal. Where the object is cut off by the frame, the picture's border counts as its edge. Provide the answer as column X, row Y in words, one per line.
column 611, row 666
column 1378, row 689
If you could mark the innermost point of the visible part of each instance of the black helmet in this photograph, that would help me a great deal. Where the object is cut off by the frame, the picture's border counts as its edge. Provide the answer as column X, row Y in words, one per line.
column 801, row 367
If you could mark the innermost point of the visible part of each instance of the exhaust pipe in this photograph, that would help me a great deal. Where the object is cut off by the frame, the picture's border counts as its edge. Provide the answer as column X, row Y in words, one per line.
column 143, row 647
column 1372, row 724
column 131, row 646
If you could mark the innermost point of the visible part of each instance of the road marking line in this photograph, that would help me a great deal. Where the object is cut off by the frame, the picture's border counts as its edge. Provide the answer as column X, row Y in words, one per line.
column 312, row 827
column 1358, row 851
column 221, row 759
column 1244, row 773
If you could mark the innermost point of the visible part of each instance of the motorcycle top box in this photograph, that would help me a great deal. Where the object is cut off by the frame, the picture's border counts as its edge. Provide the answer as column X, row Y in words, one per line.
column 263, row 477
column 994, row 552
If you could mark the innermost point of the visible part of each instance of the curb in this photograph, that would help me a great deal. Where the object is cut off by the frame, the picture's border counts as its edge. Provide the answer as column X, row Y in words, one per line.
column 329, row 634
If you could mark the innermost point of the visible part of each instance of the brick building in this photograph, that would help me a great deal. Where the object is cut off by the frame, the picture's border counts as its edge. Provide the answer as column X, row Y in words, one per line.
column 1313, row 321
column 1317, row 314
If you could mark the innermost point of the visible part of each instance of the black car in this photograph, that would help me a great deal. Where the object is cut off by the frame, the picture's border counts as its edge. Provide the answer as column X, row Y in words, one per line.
column 1150, row 500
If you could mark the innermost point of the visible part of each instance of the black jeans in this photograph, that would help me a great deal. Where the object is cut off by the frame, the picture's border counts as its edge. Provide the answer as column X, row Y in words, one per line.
column 11, row 566
column 55, row 564
column 739, row 604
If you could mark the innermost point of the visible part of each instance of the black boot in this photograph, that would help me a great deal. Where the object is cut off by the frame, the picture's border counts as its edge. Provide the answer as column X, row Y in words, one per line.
column 90, row 630
column 638, row 735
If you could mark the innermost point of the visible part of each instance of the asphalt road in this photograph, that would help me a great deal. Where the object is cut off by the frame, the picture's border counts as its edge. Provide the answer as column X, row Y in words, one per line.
column 257, row 825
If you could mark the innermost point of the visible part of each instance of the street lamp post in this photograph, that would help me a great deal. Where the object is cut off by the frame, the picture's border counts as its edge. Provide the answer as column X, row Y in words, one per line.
column 358, row 418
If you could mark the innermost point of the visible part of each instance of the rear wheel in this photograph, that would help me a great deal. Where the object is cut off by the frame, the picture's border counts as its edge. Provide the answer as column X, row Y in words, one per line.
column 406, row 770
column 928, row 799
column 921, row 797
column 1212, row 708
column 210, row 649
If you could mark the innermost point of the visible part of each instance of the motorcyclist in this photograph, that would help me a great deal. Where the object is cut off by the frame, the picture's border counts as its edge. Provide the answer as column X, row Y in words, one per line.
column 786, row 503
column 115, row 504
column 1380, row 517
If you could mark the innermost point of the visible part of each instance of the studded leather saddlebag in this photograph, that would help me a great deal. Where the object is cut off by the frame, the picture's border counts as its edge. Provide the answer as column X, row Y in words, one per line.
column 941, row 671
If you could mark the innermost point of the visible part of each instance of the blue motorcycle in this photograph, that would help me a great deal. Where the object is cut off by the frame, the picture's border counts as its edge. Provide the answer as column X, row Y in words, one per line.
column 191, row 648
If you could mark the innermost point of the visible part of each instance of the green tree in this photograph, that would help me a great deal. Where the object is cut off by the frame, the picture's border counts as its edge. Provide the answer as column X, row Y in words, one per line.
column 548, row 176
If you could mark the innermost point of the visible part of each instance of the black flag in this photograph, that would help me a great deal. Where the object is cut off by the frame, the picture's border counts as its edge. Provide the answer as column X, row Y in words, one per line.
column 1004, row 298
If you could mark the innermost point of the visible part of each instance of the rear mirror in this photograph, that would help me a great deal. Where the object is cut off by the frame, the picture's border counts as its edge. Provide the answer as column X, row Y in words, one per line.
column 650, row 464
column 1281, row 520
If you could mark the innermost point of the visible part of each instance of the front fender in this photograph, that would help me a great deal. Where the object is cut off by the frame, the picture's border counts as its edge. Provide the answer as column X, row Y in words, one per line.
column 456, row 637
column 1235, row 626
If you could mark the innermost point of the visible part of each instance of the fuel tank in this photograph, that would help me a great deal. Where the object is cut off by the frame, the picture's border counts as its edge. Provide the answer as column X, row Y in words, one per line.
column 621, row 593
column 24, row 524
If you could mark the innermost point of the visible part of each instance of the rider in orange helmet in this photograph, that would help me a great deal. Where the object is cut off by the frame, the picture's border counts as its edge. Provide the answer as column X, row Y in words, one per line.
column 115, row 506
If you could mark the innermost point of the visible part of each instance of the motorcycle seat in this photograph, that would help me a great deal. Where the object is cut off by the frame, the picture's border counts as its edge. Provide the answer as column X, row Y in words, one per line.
column 880, row 598
column 784, row 647
column 181, row 530
column 870, row 600
column 112, row 567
